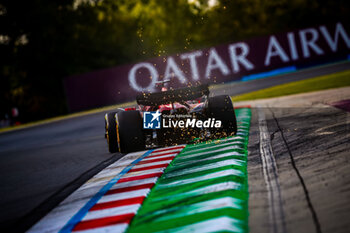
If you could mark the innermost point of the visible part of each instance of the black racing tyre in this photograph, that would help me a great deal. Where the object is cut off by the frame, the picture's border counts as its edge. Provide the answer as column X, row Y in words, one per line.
column 111, row 132
column 221, row 108
column 129, row 129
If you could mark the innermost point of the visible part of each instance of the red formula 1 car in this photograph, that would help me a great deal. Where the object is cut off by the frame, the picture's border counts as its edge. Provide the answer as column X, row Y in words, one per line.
column 187, row 113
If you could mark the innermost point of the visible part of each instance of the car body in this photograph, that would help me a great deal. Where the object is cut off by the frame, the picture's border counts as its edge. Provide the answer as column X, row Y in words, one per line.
column 125, row 131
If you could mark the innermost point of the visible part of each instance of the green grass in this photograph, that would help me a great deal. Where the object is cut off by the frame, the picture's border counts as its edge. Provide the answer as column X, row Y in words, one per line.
column 340, row 79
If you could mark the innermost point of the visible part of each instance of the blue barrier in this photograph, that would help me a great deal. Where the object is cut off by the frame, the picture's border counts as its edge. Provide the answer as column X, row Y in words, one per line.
column 269, row 73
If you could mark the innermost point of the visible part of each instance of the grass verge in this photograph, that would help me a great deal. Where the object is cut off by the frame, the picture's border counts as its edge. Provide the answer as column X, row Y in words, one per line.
column 340, row 79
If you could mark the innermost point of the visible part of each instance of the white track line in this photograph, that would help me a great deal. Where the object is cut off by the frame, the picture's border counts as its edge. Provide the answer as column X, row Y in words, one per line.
column 228, row 154
column 145, row 172
column 124, row 195
column 160, row 156
column 200, row 207
column 134, row 183
column 111, row 212
column 226, row 146
column 60, row 215
column 228, row 172
column 165, row 162
column 176, row 151
column 271, row 176
column 223, row 163
column 113, row 228
column 221, row 224
column 228, row 185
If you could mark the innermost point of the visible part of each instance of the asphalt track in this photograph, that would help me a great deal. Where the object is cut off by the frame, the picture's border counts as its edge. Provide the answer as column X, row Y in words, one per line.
column 309, row 141
column 40, row 166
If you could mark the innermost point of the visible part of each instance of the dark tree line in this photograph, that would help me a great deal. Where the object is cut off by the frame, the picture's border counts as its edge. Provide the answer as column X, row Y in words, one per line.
column 43, row 41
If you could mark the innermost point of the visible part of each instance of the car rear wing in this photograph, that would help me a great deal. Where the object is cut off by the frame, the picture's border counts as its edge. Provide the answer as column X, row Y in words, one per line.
column 171, row 96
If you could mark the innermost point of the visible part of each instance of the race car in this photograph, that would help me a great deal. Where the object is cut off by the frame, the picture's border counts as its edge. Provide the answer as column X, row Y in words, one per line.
column 125, row 131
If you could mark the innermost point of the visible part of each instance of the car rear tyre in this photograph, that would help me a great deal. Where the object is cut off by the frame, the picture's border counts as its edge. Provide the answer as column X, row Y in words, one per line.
column 130, row 134
column 221, row 108
column 111, row 132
